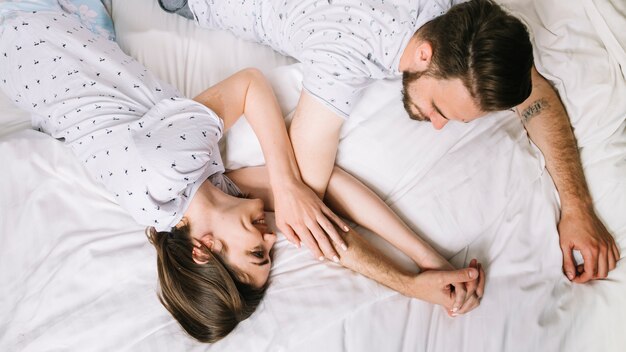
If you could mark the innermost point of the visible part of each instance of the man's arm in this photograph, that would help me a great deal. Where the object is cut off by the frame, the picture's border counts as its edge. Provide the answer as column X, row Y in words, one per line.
column 549, row 128
column 430, row 286
column 314, row 133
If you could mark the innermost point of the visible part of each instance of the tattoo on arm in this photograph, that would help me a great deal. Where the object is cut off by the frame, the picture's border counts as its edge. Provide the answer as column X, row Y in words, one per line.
column 533, row 110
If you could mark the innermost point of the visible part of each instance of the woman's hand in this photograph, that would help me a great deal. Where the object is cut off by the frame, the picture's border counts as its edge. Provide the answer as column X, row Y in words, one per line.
column 303, row 217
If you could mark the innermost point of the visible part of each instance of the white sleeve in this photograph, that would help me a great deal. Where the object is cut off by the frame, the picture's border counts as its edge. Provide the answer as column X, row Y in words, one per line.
column 154, row 165
column 335, row 80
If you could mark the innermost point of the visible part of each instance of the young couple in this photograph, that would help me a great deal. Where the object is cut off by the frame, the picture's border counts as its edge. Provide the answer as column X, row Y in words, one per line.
column 158, row 154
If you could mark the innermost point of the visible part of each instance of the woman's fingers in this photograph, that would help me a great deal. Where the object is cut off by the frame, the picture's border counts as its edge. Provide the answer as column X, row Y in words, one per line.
column 460, row 294
column 290, row 235
column 472, row 302
column 480, row 290
column 332, row 233
column 458, row 279
column 472, row 285
column 336, row 219
column 324, row 243
column 310, row 242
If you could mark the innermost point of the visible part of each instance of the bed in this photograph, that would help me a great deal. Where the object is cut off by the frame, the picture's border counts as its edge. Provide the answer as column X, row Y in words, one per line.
column 77, row 273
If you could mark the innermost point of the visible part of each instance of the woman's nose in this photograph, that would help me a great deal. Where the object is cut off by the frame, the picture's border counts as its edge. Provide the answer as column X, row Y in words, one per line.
column 258, row 203
column 270, row 238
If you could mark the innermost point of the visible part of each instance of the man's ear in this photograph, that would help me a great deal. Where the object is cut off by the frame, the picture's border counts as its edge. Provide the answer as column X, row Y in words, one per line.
column 422, row 56
column 201, row 248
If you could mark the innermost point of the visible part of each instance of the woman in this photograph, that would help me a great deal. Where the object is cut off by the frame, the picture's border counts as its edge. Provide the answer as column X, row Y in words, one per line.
column 158, row 154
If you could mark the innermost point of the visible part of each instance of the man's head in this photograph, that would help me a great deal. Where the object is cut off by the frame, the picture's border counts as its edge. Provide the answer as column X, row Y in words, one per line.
column 472, row 60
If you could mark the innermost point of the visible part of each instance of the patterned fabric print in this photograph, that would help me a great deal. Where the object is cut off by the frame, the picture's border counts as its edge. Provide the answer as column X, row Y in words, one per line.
column 92, row 13
column 149, row 148
column 12, row 8
column 344, row 44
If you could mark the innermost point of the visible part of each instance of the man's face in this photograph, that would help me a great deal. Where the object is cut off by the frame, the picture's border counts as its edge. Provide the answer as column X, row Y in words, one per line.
column 439, row 101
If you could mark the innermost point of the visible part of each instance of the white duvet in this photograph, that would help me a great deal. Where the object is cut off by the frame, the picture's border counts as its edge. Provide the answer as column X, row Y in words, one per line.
column 76, row 273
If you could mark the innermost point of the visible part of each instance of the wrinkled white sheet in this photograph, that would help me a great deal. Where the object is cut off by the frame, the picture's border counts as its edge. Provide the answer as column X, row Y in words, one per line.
column 77, row 274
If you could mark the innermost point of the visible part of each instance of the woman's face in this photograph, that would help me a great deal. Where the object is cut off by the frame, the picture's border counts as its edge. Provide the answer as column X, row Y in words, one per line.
column 244, row 240
column 235, row 229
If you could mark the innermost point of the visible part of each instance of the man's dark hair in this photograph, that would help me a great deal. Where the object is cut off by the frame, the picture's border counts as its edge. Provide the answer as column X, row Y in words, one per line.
column 484, row 46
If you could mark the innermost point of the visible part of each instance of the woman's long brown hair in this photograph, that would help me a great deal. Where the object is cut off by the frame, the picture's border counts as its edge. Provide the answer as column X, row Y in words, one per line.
column 208, row 300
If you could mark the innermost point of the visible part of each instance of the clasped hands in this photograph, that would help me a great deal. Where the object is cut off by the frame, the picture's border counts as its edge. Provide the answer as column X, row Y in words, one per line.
column 457, row 291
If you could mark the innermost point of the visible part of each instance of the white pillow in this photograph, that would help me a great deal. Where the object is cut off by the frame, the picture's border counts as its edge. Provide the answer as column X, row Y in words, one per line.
column 181, row 53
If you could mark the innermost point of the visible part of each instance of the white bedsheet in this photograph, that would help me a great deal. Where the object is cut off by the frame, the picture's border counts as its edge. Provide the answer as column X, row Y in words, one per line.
column 77, row 274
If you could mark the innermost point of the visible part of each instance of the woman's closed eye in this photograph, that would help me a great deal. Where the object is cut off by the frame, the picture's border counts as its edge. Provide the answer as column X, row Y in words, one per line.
column 260, row 254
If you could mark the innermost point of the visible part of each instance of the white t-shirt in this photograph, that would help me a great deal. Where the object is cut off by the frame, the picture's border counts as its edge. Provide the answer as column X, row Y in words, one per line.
column 344, row 44
column 150, row 148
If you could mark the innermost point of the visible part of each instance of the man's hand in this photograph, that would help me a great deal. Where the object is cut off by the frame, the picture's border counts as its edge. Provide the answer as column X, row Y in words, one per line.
column 583, row 231
column 448, row 288
column 303, row 217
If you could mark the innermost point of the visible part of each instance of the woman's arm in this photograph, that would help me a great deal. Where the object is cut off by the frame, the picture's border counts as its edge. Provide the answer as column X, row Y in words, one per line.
column 248, row 93
column 350, row 197
column 353, row 200
column 300, row 214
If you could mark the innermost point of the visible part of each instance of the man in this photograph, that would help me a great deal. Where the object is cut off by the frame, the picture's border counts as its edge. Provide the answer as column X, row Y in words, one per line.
column 472, row 50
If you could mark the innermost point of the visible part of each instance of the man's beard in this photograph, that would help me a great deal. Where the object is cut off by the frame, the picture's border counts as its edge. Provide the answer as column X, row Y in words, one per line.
column 409, row 78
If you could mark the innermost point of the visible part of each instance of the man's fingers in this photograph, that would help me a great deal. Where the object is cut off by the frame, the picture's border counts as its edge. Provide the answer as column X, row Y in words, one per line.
column 603, row 264
column 324, row 244
column 569, row 267
column 590, row 266
column 616, row 252
column 612, row 260
column 590, row 256
column 614, row 256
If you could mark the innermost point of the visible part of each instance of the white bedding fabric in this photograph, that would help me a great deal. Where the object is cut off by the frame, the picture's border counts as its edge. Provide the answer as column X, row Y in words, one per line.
column 76, row 273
